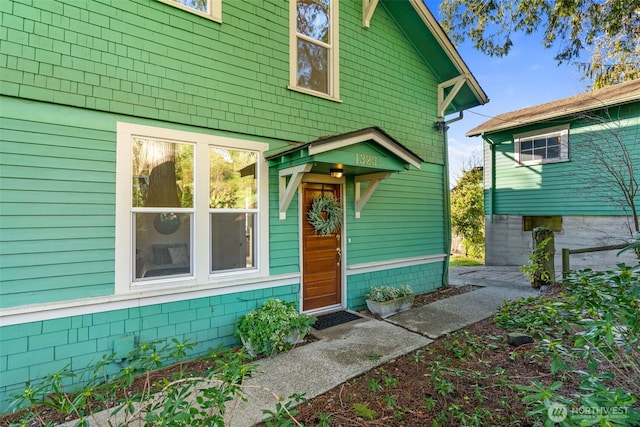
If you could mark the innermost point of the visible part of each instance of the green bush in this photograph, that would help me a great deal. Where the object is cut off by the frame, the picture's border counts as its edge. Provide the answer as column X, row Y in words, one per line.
column 596, row 319
column 268, row 329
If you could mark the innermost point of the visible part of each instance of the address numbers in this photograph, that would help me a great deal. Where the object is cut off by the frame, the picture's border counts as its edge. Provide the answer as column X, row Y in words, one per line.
column 366, row 160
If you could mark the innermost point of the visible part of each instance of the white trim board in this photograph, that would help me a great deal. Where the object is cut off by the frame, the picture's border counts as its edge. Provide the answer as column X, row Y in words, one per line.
column 49, row 311
column 370, row 267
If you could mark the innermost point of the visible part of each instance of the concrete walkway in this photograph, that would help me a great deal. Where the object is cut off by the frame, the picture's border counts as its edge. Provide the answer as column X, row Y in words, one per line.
column 499, row 284
column 345, row 351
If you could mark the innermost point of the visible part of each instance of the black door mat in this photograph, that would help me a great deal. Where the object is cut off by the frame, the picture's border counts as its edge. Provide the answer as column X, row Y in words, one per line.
column 333, row 319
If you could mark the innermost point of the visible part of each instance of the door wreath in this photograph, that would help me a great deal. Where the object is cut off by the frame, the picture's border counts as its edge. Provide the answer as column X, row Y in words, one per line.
column 325, row 215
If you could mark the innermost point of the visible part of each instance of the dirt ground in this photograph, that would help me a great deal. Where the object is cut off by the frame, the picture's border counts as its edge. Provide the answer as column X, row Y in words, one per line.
column 469, row 377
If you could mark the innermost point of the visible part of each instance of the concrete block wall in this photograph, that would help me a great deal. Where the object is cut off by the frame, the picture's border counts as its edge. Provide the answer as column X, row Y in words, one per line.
column 507, row 244
column 30, row 351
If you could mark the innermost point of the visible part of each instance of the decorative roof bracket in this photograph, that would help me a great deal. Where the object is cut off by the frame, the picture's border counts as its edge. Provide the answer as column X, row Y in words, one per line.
column 368, row 7
column 443, row 103
column 363, row 198
column 287, row 191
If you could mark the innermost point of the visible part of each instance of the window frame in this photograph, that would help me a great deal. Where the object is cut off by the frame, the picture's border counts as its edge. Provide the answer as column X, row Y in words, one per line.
column 201, row 276
column 215, row 9
column 333, row 56
column 561, row 131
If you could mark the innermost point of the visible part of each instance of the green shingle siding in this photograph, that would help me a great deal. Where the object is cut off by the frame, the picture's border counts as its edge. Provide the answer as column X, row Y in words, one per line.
column 422, row 278
column 140, row 61
column 32, row 350
column 96, row 61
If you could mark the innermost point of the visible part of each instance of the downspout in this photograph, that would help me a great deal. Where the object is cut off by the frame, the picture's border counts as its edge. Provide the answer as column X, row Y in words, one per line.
column 492, row 190
column 443, row 126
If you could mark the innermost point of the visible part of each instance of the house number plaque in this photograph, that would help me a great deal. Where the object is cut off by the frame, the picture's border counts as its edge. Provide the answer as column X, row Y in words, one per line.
column 366, row 159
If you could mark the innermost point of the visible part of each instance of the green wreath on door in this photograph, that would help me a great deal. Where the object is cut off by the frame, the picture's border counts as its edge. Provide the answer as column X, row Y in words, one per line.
column 325, row 215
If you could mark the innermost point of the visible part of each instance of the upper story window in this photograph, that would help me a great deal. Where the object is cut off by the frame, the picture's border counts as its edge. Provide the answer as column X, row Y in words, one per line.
column 189, row 208
column 542, row 146
column 314, row 47
column 211, row 9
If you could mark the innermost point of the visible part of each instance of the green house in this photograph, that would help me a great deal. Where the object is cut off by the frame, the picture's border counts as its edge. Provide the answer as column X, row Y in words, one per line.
column 572, row 165
column 159, row 160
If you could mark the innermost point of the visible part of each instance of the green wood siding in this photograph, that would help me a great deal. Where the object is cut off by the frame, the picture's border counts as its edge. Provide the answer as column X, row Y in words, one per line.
column 69, row 71
column 148, row 59
column 57, row 186
column 574, row 187
column 284, row 243
column 30, row 351
column 403, row 218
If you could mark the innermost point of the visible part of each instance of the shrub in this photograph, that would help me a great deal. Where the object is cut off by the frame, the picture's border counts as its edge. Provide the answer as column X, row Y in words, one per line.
column 603, row 306
column 268, row 329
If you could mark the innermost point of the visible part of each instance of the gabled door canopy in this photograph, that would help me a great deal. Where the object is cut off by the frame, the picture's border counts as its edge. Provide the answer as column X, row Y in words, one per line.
column 368, row 154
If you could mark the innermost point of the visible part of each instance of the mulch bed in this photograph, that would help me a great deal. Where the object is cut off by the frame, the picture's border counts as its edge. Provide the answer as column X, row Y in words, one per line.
column 403, row 392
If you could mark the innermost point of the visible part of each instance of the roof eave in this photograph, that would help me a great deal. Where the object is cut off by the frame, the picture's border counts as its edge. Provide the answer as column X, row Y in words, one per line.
column 482, row 129
column 449, row 49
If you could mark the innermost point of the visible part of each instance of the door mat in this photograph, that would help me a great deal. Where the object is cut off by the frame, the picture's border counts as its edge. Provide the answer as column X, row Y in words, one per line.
column 333, row 319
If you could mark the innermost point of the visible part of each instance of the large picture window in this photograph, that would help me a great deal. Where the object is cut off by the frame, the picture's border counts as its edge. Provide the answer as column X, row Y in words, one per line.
column 314, row 47
column 544, row 146
column 189, row 207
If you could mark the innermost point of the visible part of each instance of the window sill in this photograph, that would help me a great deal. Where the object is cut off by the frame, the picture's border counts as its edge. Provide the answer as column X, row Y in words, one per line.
column 540, row 162
column 138, row 297
column 314, row 93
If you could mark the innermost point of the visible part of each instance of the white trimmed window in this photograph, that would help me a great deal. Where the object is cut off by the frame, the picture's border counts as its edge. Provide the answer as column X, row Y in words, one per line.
column 542, row 146
column 211, row 9
column 314, row 47
column 189, row 207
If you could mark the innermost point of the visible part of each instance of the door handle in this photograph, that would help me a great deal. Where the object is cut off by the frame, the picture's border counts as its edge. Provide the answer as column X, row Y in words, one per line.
column 339, row 253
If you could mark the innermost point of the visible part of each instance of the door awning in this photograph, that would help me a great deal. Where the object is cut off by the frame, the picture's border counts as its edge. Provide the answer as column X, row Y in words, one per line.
column 368, row 155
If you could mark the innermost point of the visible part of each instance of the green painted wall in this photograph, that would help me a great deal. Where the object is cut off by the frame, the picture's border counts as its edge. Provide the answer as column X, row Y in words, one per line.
column 57, row 187
column 70, row 70
column 565, row 188
column 407, row 213
column 30, row 351
column 422, row 278
column 149, row 59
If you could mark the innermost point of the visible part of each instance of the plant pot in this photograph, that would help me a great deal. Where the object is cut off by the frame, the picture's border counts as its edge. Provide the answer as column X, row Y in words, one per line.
column 389, row 308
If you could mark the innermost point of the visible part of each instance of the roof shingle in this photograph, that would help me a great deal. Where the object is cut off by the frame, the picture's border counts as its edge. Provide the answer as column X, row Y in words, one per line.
column 622, row 93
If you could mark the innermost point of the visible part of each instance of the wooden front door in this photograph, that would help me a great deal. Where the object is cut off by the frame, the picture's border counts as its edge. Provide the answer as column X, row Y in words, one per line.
column 321, row 255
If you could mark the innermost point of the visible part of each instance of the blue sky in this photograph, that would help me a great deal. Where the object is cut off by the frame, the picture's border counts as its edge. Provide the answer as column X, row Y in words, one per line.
column 527, row 76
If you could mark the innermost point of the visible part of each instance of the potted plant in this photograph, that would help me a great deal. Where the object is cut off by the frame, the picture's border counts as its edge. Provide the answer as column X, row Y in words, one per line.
column 273, row 328
column 386, row 301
